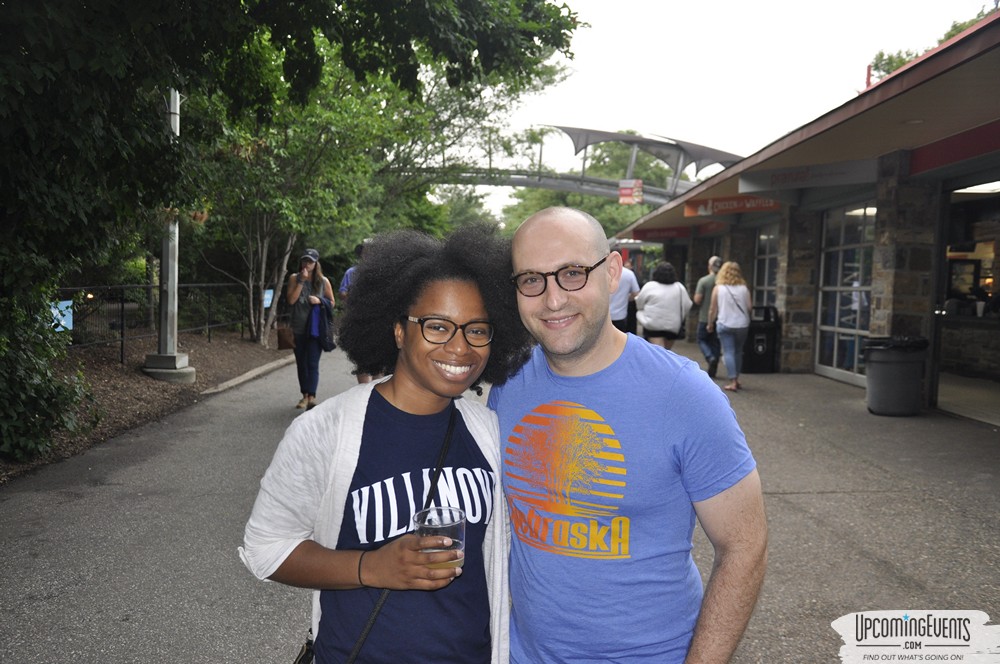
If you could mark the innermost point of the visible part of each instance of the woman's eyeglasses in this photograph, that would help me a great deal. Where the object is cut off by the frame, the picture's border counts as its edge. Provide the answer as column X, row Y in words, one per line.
column 441, row 330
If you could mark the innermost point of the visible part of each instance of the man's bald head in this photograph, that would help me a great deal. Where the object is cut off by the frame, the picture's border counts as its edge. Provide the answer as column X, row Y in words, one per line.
column 575, row 222
column 573, row 326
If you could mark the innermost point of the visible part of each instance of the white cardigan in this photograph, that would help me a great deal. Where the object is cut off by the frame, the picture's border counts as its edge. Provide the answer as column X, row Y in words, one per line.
column 304, row 491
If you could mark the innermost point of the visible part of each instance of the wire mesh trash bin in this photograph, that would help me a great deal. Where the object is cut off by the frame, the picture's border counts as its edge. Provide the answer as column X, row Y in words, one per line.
column 760, row 351
column 895, row 370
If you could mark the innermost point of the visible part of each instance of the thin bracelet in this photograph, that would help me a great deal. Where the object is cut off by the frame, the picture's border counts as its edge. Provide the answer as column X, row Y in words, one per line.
column 360, row 558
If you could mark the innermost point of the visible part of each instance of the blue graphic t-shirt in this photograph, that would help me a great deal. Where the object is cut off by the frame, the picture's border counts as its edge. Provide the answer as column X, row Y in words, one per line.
column 599, row 474
column 390, row 484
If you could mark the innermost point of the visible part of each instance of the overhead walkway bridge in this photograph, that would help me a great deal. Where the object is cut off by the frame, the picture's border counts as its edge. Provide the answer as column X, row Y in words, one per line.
column 571, row 182
column 678, row 155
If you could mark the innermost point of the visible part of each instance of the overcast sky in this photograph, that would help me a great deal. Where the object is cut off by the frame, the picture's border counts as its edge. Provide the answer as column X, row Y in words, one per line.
column 732, row 75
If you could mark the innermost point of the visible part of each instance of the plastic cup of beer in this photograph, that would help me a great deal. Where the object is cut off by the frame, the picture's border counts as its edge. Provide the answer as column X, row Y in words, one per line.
column 442, row 522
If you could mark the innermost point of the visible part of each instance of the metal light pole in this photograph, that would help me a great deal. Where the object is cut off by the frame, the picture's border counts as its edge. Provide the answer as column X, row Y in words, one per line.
column 167, row 364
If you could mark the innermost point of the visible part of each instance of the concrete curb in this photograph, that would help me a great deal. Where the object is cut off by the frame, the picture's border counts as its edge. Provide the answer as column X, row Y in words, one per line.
column 250, row 375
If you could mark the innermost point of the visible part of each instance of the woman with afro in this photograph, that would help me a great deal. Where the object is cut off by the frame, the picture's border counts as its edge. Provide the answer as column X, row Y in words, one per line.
column 335, row 508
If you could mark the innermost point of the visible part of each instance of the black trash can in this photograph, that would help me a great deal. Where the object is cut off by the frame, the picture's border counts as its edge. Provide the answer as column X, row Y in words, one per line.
column 760, row 352
column 895, row 370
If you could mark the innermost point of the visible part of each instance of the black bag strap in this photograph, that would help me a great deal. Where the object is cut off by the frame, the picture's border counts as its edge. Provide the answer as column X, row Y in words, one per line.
column 441, row 455
column 427, row 503
column 306, row 652
column 735, row 301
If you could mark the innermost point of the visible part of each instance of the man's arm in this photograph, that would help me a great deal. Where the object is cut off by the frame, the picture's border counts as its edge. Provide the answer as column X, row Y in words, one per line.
column 713, row 310
column 345, row 283
column 734, row 522
column 699, row 293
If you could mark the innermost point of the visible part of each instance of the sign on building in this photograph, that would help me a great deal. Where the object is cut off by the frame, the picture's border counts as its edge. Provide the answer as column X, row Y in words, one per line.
column 629, row 192
column 708, row 207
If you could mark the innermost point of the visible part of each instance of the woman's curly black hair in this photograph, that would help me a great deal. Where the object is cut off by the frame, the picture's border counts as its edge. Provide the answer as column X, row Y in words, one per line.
column 398, row 266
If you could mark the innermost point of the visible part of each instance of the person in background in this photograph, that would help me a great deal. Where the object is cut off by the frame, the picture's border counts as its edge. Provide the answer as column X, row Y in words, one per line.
column 628, row 288
column 306, row 291
column 345, row 290
column 729, row 313
column 603, row 489
column 708, row 342
column 345, row 283
column 335, row 507
column 662, row 305
column 632, row 323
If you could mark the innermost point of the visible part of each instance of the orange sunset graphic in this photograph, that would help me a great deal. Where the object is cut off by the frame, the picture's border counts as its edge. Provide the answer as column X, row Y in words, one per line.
column 566, row 478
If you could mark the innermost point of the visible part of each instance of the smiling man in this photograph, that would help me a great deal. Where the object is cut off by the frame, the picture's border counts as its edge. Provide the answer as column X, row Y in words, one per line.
column 604, row 482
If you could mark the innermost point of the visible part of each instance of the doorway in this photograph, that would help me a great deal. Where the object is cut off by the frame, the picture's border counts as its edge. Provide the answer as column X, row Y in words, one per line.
column 967, row 356
column 845, row 292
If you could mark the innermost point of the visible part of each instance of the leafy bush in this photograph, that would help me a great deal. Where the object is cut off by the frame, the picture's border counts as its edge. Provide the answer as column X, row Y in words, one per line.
column 34, row 400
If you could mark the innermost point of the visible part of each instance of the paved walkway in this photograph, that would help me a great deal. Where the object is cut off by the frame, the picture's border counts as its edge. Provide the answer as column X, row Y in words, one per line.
column 128, row 552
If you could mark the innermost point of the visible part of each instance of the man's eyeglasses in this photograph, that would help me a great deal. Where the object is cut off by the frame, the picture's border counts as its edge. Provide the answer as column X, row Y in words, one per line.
column 569, row 278
column 441, row 330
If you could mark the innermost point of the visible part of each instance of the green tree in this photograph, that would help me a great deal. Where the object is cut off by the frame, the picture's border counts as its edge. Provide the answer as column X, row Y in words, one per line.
column 961, row 26
column 87, row 153
column 608, row 161
column 451, row 132
column 884, row 63
column 268, row 185
column 357, row 158
column 463, row 205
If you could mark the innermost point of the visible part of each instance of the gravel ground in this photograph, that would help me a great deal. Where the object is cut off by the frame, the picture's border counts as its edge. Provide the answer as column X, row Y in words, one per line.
column 124, row 397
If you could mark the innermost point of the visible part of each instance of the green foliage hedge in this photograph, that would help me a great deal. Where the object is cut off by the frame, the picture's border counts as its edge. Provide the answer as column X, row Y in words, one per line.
column 34, row 400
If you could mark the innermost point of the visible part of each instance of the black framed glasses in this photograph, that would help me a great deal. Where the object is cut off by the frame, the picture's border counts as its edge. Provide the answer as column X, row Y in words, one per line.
column 568, row 277
column 441, row 330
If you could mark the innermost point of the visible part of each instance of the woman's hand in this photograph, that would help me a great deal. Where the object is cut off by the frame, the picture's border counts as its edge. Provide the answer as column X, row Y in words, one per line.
column 402, row 565
column 314, row 300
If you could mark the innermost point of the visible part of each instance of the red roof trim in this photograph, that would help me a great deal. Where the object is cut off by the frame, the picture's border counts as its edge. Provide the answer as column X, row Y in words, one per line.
column 968, row 144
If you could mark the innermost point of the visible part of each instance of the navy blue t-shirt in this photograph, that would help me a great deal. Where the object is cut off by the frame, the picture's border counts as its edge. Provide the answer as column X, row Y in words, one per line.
column 390, row 484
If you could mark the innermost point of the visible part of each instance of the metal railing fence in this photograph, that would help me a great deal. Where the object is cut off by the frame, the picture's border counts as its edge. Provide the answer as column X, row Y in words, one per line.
column 105, row 315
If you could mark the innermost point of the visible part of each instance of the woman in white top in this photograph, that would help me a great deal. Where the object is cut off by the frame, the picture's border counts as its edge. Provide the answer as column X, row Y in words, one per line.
column 662, row 305
column 729, row 314
column 335, row 507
